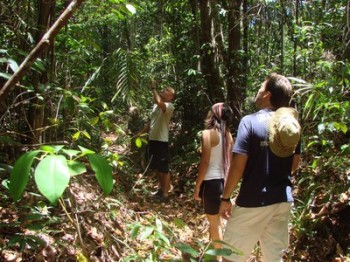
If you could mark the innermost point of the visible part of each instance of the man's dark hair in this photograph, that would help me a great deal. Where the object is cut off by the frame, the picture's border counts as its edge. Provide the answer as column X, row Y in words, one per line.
column 280, row 89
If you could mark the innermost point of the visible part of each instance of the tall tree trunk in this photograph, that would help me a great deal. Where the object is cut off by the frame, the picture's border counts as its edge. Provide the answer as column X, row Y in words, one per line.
column 295, row 39
column 190, row 115
column 235, row 78
column 346, row 37
column 195, row 31
column 217, row 35
column 245, row 42
column 36, row 112
column 209, row 70
column 282, row 35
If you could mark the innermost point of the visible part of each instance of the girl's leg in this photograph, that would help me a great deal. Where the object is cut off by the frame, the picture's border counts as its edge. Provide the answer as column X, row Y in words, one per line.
column 215, row 230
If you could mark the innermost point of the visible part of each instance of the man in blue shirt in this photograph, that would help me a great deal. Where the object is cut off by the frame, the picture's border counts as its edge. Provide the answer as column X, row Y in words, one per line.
column 265, row 154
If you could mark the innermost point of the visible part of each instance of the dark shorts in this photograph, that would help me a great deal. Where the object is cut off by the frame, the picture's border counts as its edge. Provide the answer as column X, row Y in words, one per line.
column 159, row 151
column 210, row 192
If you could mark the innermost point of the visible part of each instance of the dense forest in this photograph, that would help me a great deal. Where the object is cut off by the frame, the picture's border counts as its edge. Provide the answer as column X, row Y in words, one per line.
column 74, row 185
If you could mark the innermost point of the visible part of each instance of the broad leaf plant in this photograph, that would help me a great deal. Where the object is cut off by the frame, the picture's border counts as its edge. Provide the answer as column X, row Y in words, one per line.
column 53, row 168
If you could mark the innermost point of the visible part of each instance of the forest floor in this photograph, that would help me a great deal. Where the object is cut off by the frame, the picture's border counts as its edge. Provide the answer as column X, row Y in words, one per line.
column 127, row 225
column 100, row 228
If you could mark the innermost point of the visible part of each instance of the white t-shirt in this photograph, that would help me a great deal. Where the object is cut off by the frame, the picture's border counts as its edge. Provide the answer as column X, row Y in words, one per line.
column 159, row 129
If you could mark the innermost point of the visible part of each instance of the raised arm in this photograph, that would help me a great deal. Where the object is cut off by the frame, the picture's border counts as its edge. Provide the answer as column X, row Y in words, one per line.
column 157, row 98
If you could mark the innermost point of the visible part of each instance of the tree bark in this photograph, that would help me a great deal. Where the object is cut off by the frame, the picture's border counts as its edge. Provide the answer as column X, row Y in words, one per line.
column 36, row 112
column 295, row 47
column 282, row 36
column 218, row 42
column 195, row 31
column 39, row 48
column 235, row 77
column 346, row 37
column 209, row 69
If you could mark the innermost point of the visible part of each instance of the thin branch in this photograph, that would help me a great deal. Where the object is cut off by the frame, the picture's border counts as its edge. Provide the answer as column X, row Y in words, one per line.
column 39, row 48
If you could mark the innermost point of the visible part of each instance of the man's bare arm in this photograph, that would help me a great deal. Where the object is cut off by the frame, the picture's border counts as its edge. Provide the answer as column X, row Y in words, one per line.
column 157, row 98
column 295, row 164
column 235, row 174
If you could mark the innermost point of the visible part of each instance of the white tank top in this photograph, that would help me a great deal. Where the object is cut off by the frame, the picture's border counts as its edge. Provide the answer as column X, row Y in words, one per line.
column 216, row 167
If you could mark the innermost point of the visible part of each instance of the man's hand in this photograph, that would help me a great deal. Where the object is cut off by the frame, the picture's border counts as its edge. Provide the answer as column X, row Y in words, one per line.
column 153, row 84
column 225, row 209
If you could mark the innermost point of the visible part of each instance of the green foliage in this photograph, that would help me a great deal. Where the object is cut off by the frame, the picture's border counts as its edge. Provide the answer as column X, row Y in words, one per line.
column 106, row 54
column 24, row 240
column 37, row 219
column 54, row 169
column 51, row 176
column 153, row 233
column 103, row 172
column 326, row 125
column 89, row 118
column 327, row 113
column 126, row 74
column 206, row 253
column 158, row 234
column 19, row 181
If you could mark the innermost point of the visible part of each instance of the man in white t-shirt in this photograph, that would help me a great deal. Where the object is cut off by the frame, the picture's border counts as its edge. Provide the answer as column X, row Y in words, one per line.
column 159, row 138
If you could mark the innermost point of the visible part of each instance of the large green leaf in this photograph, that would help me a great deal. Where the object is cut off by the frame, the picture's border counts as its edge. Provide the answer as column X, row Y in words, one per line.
column 135, row 230
column 187, row 249
column 70, row 152
column 86, row 151
column 52, row 177
column 103, row 172
column 163, row 237
column 20, row 174
column 146, row 233
column 219, row 252
column 52, row 148
column 76, row 168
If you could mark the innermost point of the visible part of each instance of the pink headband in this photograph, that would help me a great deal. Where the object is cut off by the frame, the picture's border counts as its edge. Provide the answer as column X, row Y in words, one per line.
column 217, row 110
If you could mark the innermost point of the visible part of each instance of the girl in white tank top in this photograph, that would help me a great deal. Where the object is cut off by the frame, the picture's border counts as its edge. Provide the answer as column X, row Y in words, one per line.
column 213, row 167
column 216, row 165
